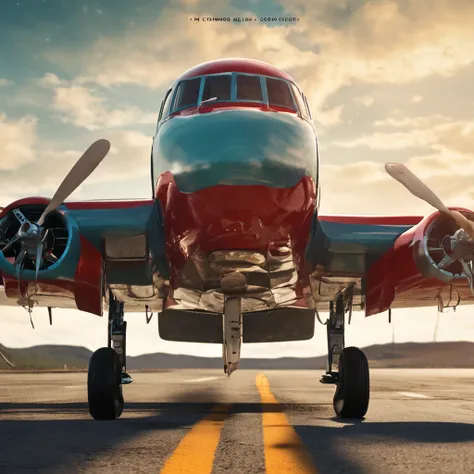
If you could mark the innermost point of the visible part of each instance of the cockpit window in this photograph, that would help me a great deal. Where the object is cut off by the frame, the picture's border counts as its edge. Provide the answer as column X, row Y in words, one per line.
column 235, row 87
column 187, row 93
column 166, row 105
column 299, row 101
column 307, row 106
column 279, row 93
column 218, row 87
column 249, row 88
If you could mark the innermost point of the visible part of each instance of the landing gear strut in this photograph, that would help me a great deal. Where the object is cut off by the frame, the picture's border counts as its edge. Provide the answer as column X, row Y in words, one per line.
column 347, row 367
column 107, row 368
column 232, row 339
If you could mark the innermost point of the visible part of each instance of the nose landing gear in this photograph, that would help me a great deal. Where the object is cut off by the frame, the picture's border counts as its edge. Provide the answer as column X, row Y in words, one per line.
column 232, row 340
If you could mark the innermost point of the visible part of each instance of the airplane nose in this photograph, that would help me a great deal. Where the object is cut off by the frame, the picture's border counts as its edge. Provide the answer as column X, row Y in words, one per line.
column 235, row 146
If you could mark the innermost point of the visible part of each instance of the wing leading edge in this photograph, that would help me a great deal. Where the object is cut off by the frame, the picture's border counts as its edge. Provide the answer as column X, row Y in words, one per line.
column 116, row 245
column 393, row 262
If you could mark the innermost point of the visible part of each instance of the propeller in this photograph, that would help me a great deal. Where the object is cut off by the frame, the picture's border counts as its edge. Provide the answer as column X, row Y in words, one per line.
column 419, row 189
column 32, row 235
column 84, row 167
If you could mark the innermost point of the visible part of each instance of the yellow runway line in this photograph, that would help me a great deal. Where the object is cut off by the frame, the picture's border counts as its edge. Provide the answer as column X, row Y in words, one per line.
column 197, row 449
column 284, row 452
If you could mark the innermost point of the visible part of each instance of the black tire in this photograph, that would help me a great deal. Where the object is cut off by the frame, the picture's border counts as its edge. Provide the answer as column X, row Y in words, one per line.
column 104, row 387
column 351, row 399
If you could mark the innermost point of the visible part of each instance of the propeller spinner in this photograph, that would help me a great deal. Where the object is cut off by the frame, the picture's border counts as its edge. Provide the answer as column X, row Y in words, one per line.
column 32, row 235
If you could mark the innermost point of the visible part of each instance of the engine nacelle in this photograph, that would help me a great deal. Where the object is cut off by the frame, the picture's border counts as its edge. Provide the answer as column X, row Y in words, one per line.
column 438, row 244
column 71, row 270
column 61, row 246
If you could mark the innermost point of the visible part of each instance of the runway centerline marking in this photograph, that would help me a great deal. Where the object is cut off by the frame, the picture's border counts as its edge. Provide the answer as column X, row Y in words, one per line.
column 196, row 451
column 284, row 451
column 202, row 379
column 413, row 395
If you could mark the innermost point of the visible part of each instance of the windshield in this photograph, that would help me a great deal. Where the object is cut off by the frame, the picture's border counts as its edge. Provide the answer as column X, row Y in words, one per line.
column 218, row 87
column 249, row 88
column 279, row 93
column 187, row 93
column 236, row 87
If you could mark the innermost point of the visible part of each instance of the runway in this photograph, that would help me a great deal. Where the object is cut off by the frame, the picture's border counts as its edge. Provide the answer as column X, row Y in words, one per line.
column 199, row 421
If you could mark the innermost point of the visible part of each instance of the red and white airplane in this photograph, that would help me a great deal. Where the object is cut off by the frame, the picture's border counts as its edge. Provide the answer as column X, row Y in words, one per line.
column 230, row 247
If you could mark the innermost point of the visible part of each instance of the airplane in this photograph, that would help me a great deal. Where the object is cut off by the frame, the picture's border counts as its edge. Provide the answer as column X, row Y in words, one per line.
column 231, row 248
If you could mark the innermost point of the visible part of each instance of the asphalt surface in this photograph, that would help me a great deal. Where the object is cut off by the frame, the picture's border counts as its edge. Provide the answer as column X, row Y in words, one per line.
column 198, row 421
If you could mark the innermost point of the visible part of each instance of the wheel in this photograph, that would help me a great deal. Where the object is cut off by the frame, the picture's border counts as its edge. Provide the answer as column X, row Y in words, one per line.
column 351, row 399
column 103, row 385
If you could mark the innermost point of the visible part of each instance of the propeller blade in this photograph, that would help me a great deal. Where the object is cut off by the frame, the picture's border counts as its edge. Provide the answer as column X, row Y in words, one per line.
column 19, row 264
column 51, row 258
column 414, row 184
column 38, row 259
column 86, row 164
column 20, row 258
column 419, row 189
column 4, row 357
column 15, row 239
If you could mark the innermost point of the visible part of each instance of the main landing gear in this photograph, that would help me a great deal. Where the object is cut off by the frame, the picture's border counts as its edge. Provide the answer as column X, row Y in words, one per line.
column 347, row 367
column 107, row 368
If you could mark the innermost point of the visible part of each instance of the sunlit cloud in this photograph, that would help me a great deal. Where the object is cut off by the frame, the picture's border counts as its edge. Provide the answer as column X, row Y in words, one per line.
column 366, row 100
column 17, row 140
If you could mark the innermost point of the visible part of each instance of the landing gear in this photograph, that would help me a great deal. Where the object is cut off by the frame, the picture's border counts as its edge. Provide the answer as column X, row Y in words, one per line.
column 347, row 368
column 107, row 368
column 351, row 399
column 104, row 385
column 232, row 339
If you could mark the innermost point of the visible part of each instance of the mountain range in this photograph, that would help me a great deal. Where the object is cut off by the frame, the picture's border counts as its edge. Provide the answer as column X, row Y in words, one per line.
column 458, row 354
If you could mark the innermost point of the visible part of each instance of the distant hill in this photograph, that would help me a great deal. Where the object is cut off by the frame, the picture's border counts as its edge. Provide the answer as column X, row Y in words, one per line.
column 406, row 355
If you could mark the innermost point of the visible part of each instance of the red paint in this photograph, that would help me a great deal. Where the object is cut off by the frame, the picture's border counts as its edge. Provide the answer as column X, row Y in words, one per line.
column 395, row 281
column 249, row 66
column 372, row 220
column 25, row 201
column 88, row 288
column 57, row 289
column 236, row 217
column 77, row 205
column 86, row 205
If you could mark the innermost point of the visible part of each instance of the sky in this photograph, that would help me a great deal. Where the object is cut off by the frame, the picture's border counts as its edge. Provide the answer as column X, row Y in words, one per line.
column 386, row 81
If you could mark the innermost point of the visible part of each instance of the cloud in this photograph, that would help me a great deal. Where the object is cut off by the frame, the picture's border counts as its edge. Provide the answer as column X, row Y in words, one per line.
column 37, row 167
column 17, row 141
column 5, row 82
column 393, row 140
column 50, row 80
column 423, row 132
column 366, row 100
column 412, row 122
column 379, row 42
column 341, row 46
column 384, row 41
column 416, row 98
column 330, row 117
column 365, row 187
column 83, row 107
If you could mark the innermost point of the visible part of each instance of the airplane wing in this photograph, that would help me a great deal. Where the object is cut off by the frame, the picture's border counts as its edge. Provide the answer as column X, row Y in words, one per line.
column 397, row 261
column 89, row 246
column 68, row 255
